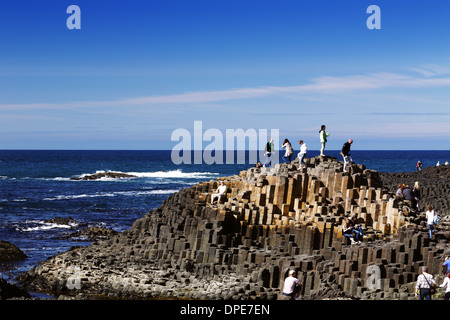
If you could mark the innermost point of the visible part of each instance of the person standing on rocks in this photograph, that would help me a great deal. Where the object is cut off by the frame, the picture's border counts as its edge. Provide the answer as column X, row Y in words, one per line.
column 323, row 138
column 425, row 282
column 408, row 195
column 446, row 285
column 419, row 166
column 268, row 153
column 430, row 215
column 416, row 195
column 289, row 151
column 292, row 286
column 302, row 152
column 345, row 153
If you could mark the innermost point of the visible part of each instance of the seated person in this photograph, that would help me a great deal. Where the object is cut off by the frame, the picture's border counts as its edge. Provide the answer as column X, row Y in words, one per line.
column 353, row 230
column 221, row 190
column 292, row 286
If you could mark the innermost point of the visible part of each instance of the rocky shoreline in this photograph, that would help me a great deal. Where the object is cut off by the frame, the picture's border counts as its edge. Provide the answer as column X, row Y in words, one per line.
column 272, row 220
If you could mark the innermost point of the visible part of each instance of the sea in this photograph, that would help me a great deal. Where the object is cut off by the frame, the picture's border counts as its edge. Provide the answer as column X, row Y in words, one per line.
column 36, row 185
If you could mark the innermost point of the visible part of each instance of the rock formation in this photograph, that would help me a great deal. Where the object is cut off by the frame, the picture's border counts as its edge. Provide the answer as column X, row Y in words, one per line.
column 10, row 252
column 100, row 175
column 272, row 220
column 10, row 291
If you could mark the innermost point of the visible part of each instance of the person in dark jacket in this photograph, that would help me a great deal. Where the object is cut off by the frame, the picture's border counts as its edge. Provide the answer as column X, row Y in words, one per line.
column 408, row 194
column 268, row 153
column 345, row 153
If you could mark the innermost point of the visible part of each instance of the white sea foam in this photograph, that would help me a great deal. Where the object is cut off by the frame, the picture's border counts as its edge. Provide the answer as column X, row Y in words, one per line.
column 112, row 194
column 157, row 174
column 43, row 226
column 174, row 174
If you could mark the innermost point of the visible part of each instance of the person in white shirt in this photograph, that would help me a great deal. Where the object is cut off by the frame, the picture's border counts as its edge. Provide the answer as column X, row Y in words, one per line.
column 289, row 151
column 424, row 283
column 302, row 152
column 430, row 215
column 221, row 190
column 292, row 286
column 446, row 285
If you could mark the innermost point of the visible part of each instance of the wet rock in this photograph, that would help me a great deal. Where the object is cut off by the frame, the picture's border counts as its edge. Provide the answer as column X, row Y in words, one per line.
column 93, row 233
column 61, row 221
column 10, row 252
column 9, row 291
column 100, row 175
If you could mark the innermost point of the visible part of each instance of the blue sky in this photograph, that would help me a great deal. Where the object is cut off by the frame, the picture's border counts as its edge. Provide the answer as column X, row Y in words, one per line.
column 138, row 70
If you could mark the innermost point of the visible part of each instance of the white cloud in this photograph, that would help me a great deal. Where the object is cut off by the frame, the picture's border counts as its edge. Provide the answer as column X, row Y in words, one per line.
column 432, row 70
column 321, row 85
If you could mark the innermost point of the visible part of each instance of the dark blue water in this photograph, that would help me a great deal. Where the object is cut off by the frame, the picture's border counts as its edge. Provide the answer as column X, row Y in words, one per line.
column 36, row 185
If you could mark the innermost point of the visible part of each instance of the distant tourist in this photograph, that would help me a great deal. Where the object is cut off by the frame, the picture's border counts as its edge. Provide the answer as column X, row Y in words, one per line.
column 419, row 166
column 323, row 138
column 438, row 164
column 268, row 152
column 446, row 163
column 416, row 195
column 345, row 153
column 430, row 215
column 424, row 284
column 446, row 285
column 292, row 286
column 221, row 190
column 302, row 153
column 289, row 151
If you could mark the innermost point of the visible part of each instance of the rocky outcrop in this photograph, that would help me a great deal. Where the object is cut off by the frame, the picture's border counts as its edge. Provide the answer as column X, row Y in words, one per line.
column 271, row 220
column 434, row 186
column 100, row 175
column 92, row 233
column 10, row 291
column 10, row 252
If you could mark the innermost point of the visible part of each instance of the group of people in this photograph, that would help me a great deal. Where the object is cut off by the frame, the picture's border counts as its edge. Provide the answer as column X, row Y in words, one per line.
column 439, row 163
column 424, row 289
column 405, row 192
column 419, row 165
column 287, row 155
column 269, row 149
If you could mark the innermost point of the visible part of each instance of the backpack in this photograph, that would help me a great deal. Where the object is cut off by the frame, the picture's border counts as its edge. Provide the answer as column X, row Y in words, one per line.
column 437, row 219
